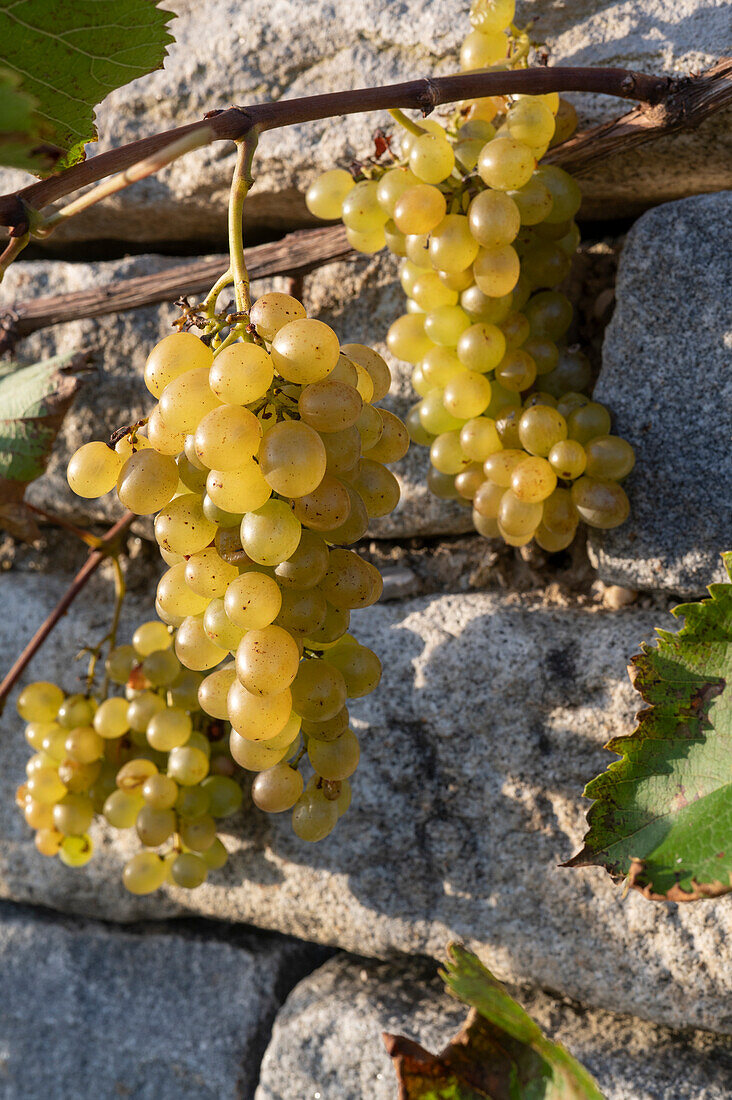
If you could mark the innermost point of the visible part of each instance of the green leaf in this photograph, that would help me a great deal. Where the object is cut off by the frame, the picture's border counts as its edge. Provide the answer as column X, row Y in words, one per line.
column 33, row 403
column 23, row 132
column 500, row 1054
column 663, row 812
column 66, row 56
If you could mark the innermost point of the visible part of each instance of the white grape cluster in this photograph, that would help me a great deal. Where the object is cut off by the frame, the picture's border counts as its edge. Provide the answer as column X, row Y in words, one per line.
column 486, row 235
column 264, row 461
column 149, row 760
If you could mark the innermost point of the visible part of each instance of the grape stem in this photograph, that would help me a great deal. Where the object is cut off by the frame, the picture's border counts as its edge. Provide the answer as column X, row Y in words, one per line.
column 109, row 545
column 110, row 637
column 408, row 123
column 241, row 183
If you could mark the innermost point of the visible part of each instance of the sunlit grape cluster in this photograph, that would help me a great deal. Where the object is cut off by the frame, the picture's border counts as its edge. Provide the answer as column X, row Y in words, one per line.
column 149, row 761
column 486, row 234
column 264, row 459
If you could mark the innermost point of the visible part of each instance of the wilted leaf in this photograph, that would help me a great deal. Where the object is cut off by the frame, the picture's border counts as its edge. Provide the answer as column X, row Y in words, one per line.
column 23, row 132
column 500, row 1054
column 33, row 403
column 67, row 55
column 663, row 812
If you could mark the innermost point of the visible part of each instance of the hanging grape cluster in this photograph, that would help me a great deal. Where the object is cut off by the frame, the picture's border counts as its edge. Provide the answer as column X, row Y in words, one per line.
column 264, row 459
column 486, row 234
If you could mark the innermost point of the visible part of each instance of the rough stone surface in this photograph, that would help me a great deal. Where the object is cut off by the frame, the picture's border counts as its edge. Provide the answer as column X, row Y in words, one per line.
column 360, row 298
column 490, row 718
column 166, row 1012
column 327, row 1042
column 286, row 49
column 666, row 376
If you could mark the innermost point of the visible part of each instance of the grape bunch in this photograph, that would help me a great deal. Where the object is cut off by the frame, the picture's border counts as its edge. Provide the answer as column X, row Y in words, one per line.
column 150, row 760
column 486, row 234
column 264, row 460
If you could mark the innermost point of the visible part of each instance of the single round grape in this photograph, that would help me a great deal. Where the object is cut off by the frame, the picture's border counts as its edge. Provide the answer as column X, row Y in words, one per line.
column 552, row 542
column 162, row 438
column 173, row 356
column 409, row 273
column 277, row 789
column 144, row 873
column 160, row 792
column 357, row 523
column 305, row 351
column 446, row 454
column 361, row 210
column 492, row 15
column 241, row 373
column 38, row 816
column 572, row 374
column 121, row 808
column 359, row 666
column 305, row 568
column 225, row 435
column 220, row 517
column 395, row 240
column 219, row 628
column 506, row 164
column 192, row 801
column 569, row 401
column 375, row 365
column 313, row 818
column 533, row 202
column 540, row 427
column 154, row 826
column 518, row 518
column 213, row 692
column 497, row 270
column 184, row 692
column 406, row 338
column 267, row 660
column 238, row 491
column 186, row 400
column 467, row 395
column 161, row 668
column 329, row 406
column 270, row 534
column 132, row 775
column 445, row 324
column 254, row 756
column 487, row 500
column 216, row 856
column 85, row 745
column 565, row 192
column 417, row 246
column 544, row 353
column 533, row 480
column 327, row 729
column 428, row 125
column 499, row 467
column 335, row 626
column 494, row 219
column 549, row 313
column 481, row 347
column 174, row 595
column 393, row 443
column 600, row 502
column 469, row 480
column 544, row 264
column 273, row 311
column 335, row 760
column 224, row 795
column 75, row 711
column 369, row 426
column 292, row 458
column 368, row 243
column 516, row 330
column 456, row 280
column 378, row 490
column 182, row 526
column 326, row 508
column 188, row 870
column 194, row 648
column 198, row 833
column 207, row 574
column 351, row 582
column 318, row 690
column 253, row 600
column 568, row 459
column 35, row 732
column 453, row 246
column 538, row 397
column 609, row 457
column 73, row 815
column 76, row 851
column 151, row 636
column 516, row 371
column 588, row 422
column 479, row 438
column 147, row 482
column 480, row 50
column 48, row 842
column 434, row 416
column 169, row 728
column 531, row 122
column 481, row 307
column 187, row 765
column 392, row 186
column 93, row 470
column 39, row 701
column 419, row 209
column 324, row 197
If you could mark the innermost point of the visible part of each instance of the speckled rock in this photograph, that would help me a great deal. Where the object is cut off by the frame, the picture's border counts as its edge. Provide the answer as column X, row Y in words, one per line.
column 161, row 1012
column 286, row 49
column 666, row 377
column 490, row 718
column 327, row 1043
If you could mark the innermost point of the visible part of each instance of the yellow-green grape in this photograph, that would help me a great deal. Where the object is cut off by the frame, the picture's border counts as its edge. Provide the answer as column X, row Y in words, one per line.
column 481, row 347
column 456, row 280
column 122, row 807
column 487, row 499
column 198, row 833
column 151, row 636
column 253, row 601
column 329, row 406
column 572, row 373
column 213, row 692
column 187, row 765
column 494, row 219
column 467, row 395
column 468, row 151
column 345, row 371
column 147, row 482
column 479, row 438
column 85, row 745
column 303, row 569
column 538, row 397
column 192, row 801
column 216, row 856
column 516, row 371
column 303, row 611
column 549, row 313
column 267, row 660
column 73, row 815
column 431, row 158
column 76, row 851
column 559, row 514
column 48, row 841
column 334, row 760
column 35, row 732
column 173, row 356
column 533, row 480
column 497, row 270
column 277, row 789
column 313, row 817
column 429, row 292
column 442, row 485
column 469, row 480
column 270, row 534
column 379, row 491
column 361, row 210
column 545, row 353
column 392, row 186
column 224, row 795
column 184, row 692
column 428, row 125
column 194, row 648
column 409, row 273
column 305, row 351
column 219, row 516
column 600, row 502
column 609, row 457
column 394, row 239
column 318, row 690
column 434, row 417
column 540, row 427
column 533, row 201
column 39, row 701
column 357, row 523
column 186, row 400
column 499, row 466
column 492, row 15
column 506, row 164
column 273, row 311
column 370, row 426
column 417, row 247
column 160, row 792
column 207, row 574
column 359, row 666
column 324, row 197
column 480, row 307
column 516, row 329
column 168, row 729
column 81, row 778
column 565, row 121
column 368, row 243
column 237, row 491
column 481, row 50
column 75, row 711
column 162, row 439
column 452, row 245
column 188, row 870
column 241, row 373
column 219, row 628
column 255, row 756
column 588, row 422
column 37, row 815
column 569, row 401
column 544, row 264
column 446, row 454
column 326, row 508
column 445, row 325
column 292, row 458
column 364, row 384
column 327, row 729
column 175, row 597
column 350, row 581
column 568, row 459
column 183, row 527
column 530, row 122
column 565, row 192
column 393, row 443
column 225, row 435
column 93, row 470
column 375, row 365
column 406, row 338
column 419, row 210
column 257, row 717
column 518, row 518
column 161, row 668
column 144, row 873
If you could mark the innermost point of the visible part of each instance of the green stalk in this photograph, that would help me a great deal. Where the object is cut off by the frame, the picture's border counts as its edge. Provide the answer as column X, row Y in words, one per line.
column 240, row 185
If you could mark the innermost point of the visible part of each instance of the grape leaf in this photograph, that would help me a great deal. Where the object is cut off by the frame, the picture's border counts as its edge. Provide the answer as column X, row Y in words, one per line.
column 67, row 55
column 663, row 812
column 23, row 132
column 500, row 1053
column 33, row 403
